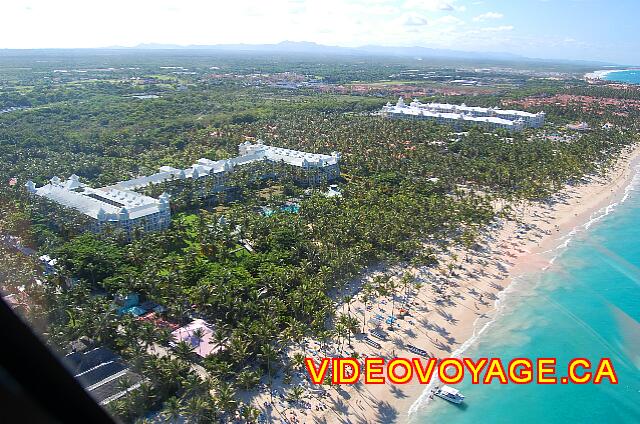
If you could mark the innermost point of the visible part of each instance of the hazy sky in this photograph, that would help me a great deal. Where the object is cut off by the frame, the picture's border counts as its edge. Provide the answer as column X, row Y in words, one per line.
column 572, row 29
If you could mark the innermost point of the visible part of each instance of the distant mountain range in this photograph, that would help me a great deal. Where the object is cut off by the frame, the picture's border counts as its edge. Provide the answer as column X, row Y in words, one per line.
column 315, row 48
column 305, row 47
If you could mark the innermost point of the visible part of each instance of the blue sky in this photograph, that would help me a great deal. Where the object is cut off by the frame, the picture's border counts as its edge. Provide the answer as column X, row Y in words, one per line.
column 568, row 29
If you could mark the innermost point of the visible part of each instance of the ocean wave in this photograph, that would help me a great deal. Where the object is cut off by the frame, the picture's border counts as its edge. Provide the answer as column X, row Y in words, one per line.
column 602, row 74
column 499, row 308
column 500, row 303
column 602, row 212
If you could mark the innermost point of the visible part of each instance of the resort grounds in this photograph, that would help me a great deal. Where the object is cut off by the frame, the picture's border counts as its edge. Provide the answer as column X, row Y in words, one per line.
column 448, row 304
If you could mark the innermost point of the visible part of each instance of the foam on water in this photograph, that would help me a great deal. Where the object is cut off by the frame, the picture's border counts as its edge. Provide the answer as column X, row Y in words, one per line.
column 499, row 305
column 517, row 281
column 629, row 76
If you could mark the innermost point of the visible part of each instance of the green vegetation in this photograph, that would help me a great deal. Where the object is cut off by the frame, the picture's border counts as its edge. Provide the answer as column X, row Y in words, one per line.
column 404, row 184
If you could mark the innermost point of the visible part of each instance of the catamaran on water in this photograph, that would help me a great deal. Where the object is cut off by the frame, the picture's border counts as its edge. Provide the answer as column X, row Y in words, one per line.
column 450, row 394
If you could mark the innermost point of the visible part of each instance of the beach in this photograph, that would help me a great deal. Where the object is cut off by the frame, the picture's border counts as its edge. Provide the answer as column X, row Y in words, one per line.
column 600, row 75
column 453, row 304
column 625, row 76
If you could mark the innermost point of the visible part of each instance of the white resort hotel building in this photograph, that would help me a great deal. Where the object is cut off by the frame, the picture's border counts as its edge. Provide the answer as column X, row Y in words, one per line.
column 120, row 206
column 462, row 115
column 104, row 206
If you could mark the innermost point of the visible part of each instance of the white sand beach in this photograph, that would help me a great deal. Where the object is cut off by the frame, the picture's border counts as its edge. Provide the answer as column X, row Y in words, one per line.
column 453, row 302
column 600, row 75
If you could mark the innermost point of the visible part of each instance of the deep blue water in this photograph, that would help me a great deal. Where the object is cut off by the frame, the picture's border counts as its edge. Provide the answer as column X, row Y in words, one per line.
column 630, row 77
column 587, row 304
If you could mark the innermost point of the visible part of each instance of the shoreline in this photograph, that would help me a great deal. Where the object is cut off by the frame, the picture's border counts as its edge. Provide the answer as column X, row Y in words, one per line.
column 452, row 309
column 627, row 171
column 604, row 197
column 601, row 75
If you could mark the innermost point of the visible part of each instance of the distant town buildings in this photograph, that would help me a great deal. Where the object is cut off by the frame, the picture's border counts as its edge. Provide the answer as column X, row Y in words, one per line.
column 589, row 104
column 120, row 206
column 459, row 116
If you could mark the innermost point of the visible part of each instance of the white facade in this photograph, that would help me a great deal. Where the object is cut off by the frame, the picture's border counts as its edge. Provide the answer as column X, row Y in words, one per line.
column 122, row 209
column 461, row 115
column 316, row 167
column 120, row 206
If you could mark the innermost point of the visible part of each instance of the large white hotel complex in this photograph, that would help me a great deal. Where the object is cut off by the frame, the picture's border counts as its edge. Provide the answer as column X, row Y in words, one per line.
column 462, row 115
column 120, row 206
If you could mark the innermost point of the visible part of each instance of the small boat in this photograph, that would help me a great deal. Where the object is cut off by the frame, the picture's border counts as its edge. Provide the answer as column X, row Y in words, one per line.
column 450, row 394
column 417, row 351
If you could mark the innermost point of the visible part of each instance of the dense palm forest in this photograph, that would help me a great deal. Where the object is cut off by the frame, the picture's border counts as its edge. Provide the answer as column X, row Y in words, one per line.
column 403, row 184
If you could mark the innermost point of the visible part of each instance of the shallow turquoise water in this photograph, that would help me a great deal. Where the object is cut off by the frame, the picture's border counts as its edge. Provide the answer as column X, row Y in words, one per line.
column 587, row 304
column 631, row 77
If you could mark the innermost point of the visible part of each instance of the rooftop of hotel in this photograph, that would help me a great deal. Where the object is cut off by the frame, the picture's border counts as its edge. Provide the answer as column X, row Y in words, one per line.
column 201, row 168
column 120, row 202
column 419, row 111
column 461, row 109
column 248, row 153
column 477, row 109
column 289, row 156
column 107, row 203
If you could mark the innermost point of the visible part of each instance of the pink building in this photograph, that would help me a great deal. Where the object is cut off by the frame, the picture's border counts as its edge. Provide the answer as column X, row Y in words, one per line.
column 199, row 334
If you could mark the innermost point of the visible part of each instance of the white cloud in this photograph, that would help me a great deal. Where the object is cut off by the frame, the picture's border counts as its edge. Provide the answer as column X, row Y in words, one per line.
column 434, row 5
column 449, row 20
column 487, row 16
column 80, row 23
column 498, row 28
column 414, row 19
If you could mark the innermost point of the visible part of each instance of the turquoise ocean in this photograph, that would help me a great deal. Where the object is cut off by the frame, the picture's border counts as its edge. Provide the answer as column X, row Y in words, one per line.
column 630, row 76
column 586, row 304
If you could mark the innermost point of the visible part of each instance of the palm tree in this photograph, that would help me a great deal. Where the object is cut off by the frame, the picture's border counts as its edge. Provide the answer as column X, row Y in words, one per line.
column 250, row 413
column 143, row 396
column 247, row 379
column 327, row 380
column 239, row 348
column 347, row 300
column 193, row 384
column 195, row 409
column 198, row 334
column 348, row 325
column 183, row 350
column 352, row 326
column 366, row 296
column 295, row 394
column 220, row 335
column 219, row 367
column 340, row 331
column 172, row 409
column 406, row 281
column 297, row 360
column 390, row 289
column 225, row 397
column 147, row 333
column 267, row 355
